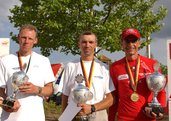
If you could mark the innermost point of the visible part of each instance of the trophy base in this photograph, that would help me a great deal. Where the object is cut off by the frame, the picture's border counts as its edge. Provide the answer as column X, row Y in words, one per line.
column 84, row 118
column 157, row 109
column 8, row 103
column 80, row 118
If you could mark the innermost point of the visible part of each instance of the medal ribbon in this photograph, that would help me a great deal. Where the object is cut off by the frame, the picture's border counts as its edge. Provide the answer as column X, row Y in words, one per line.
column 134, row 81
column 21, row 64
column 88, row 80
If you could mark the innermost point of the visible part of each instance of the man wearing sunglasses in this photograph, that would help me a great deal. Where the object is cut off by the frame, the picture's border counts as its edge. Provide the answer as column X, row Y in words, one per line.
column 129, row 77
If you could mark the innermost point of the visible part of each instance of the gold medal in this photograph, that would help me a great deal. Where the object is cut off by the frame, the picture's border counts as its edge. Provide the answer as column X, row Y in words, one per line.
column 134, row 81
column 134, row 97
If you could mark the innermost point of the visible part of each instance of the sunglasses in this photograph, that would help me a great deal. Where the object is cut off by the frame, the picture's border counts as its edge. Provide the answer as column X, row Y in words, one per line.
column 131, row 40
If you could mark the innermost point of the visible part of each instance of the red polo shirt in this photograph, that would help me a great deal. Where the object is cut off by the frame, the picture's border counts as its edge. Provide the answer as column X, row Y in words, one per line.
column 126, row 108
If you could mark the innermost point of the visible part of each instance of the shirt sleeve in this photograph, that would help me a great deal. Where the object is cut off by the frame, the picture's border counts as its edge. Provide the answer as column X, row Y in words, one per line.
column 48, row 74
column 65, row 81
column 2, row 75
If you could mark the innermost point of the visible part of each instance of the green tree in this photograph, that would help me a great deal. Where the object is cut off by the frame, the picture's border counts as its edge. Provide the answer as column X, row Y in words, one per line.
column 61, row 21
column 164, row 69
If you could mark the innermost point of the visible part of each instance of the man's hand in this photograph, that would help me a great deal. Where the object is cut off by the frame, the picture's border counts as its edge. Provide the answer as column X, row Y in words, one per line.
column 86, row 109
column 149, row 113
column 28, row 88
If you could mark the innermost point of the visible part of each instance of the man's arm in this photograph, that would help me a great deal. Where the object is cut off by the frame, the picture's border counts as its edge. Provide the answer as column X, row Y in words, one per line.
column 64, row 102
column 2, row 93
column 104, row 104
column 30, row 88
column 113, row 108
column 47, row 90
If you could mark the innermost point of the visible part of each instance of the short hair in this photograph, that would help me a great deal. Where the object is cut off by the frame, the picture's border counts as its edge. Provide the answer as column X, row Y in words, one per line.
column 87, row 33
column 30, row 27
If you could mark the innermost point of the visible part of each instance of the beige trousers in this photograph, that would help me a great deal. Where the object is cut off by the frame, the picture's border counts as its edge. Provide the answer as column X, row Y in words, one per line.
column 96, row 116
column 99, row 116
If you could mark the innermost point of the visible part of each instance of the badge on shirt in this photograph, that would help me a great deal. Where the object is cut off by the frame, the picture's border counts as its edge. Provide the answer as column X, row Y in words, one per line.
column 123, row 77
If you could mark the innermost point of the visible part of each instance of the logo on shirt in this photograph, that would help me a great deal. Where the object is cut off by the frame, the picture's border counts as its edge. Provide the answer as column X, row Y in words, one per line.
column 100, row 77
column 123, row 77
column 16, row 68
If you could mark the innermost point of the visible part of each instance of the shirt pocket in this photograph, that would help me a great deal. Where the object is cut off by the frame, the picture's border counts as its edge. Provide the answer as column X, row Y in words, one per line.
column 98, row 87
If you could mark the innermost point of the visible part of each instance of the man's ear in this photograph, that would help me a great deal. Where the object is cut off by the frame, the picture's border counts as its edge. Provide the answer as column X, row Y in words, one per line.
column 36, row 40
column 139, row 43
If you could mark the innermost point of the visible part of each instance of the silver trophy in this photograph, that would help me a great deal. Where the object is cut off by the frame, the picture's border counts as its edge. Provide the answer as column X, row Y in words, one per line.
column 156, row 82
column 18, row 78
column 81, row 93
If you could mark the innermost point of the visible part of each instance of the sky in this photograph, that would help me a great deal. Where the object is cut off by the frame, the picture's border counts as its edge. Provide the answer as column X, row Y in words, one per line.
column 157, row 47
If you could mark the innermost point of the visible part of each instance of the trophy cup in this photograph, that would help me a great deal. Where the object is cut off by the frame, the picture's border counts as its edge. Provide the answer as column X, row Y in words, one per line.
column 18, row 78
column 81, row 94
column 156, row 82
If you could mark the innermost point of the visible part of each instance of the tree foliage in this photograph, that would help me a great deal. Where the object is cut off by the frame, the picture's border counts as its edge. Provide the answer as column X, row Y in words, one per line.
column 164, row 69
column 61, row 21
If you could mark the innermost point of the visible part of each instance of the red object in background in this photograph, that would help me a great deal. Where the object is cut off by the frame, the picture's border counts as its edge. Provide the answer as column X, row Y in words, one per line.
column 55, row 68
column 166, row 110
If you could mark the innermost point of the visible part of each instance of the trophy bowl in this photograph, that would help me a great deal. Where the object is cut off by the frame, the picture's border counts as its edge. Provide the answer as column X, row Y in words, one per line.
column 156, row 82
column 81, row 94
column 18, row 78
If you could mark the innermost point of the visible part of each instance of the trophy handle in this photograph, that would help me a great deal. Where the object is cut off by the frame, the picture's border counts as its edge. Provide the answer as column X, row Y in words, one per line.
column 156, row 66
column 90, row 95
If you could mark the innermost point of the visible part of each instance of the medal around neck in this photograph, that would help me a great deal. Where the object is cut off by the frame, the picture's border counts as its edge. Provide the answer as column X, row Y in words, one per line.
column 18, row 78
column 134, row 97
column 156, row 82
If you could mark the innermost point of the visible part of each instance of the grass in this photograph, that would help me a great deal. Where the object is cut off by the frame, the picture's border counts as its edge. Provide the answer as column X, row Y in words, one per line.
column 53, row 111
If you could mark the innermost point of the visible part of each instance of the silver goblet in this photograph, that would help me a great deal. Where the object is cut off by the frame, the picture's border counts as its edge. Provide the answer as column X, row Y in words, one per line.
column 18, row 78
column 156, row 82
column 81, row 93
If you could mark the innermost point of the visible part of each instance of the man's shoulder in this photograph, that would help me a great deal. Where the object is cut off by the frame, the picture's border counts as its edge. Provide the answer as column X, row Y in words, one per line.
column 76, row 62
column 9, row 60
column 73, row 62
column 37, row 55
column 146, row 59
column 8, row 57
column 119, row 62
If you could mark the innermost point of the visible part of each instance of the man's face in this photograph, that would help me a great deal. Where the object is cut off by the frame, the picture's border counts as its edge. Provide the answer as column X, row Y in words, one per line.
column 87, row 44
column 27, row 38
column 130, row 45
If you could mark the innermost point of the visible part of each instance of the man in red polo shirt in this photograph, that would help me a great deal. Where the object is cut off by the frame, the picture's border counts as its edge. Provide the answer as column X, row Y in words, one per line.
column 129, row 77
